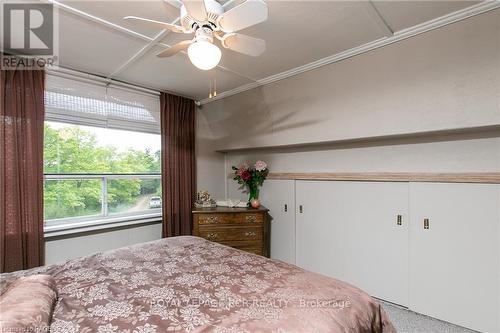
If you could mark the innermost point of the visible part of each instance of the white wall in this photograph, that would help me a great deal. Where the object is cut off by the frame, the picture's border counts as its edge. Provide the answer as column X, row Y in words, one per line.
column 209, row 164
column 62, row 248
column 479, row 152
column 447, row 78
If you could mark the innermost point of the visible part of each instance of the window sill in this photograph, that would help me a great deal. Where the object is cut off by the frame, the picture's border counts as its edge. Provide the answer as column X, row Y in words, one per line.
column 103, row 224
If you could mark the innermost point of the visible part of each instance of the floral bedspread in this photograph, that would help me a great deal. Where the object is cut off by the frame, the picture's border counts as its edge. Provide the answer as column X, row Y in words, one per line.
column 188, row 284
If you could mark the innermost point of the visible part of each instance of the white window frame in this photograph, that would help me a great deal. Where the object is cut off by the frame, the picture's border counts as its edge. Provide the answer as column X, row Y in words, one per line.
column 105, row 91
column 103, row 219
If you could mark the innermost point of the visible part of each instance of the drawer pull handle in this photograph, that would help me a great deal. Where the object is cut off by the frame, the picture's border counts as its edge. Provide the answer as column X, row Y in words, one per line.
column 250, row 234
column 212, row 236
column 426, row 224
column 399, row 220
column 251, row 218
column 212, row 220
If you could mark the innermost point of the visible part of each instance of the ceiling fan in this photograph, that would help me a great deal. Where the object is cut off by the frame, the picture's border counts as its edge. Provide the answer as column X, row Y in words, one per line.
column 208, row 20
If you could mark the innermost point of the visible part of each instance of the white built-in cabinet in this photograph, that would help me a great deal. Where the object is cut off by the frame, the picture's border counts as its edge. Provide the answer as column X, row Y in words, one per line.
column 432, row 247
column 349, row 230
column 454, row 264
column 279, row 196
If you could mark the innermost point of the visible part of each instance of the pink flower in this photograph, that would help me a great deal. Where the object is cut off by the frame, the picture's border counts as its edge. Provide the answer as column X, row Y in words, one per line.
column 241, row 169
column 245, row 175
column 260, row 166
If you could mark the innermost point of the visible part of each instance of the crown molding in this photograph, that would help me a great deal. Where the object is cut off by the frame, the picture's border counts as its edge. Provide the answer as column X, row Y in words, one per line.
column 439, row 22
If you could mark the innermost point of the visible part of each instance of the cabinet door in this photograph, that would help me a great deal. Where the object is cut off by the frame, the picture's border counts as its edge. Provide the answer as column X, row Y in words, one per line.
column 279, row 197
column 349, row 230
column 454, row 270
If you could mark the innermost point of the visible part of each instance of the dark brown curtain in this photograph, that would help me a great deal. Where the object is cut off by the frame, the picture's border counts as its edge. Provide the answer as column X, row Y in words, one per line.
column 21, row 169
column 178, row 163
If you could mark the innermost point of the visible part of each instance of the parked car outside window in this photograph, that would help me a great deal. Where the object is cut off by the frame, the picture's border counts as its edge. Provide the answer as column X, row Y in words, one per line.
column 155, row 202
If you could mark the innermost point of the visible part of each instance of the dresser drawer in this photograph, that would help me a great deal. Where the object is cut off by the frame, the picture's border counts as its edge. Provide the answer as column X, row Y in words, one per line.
column 222, row 219
column 222, row 234
column 250, row 218
column 214, row 219
column 246, row 229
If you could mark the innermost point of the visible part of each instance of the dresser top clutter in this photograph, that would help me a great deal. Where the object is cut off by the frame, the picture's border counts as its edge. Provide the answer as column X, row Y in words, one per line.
column 246, row 229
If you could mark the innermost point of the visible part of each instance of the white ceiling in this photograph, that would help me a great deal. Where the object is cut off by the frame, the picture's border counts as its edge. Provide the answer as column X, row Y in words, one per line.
column 94, row 38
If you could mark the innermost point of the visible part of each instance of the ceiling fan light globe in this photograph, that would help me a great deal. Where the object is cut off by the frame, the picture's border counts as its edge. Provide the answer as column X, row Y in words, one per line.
column 204, row 55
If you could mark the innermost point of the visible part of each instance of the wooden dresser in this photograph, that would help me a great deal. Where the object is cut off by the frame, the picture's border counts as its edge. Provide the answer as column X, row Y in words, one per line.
column 246, row 229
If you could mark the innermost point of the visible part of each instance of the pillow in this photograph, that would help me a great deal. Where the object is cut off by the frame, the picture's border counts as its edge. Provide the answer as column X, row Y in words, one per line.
column 26, row 305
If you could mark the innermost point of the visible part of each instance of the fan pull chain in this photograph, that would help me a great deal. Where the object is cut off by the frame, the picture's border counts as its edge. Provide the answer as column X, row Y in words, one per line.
column 213, row 93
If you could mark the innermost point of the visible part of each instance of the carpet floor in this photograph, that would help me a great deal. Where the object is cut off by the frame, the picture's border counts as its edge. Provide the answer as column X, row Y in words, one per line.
column 407, row 321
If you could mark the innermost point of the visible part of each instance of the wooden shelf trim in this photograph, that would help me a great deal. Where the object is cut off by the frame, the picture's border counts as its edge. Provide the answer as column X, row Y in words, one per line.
column 467, row 177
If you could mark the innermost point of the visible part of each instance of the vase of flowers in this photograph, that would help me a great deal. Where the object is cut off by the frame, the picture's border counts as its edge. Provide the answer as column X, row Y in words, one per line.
column 252, row 178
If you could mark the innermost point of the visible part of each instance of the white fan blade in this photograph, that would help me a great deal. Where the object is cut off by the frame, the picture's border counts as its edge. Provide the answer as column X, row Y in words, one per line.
column 196, row 9
column 159, row 24
column 249, row 13
column 244, row 44
column 175, row 49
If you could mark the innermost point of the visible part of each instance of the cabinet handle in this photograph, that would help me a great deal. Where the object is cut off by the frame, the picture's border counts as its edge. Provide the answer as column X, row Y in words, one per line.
column 300, row 209
column 212, row 220
column 212, row 236
column 251, row 218
column 399, row 220
column 426, row 224
column 250, row 233
column 286, row 208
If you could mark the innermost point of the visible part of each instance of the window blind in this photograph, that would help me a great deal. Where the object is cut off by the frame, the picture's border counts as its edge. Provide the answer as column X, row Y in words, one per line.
column 97, row 104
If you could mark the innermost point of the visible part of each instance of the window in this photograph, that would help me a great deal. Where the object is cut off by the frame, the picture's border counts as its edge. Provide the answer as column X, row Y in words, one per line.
column 101, row 154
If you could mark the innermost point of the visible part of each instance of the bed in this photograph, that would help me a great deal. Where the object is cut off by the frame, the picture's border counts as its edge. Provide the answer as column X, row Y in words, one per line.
column 193, row 285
